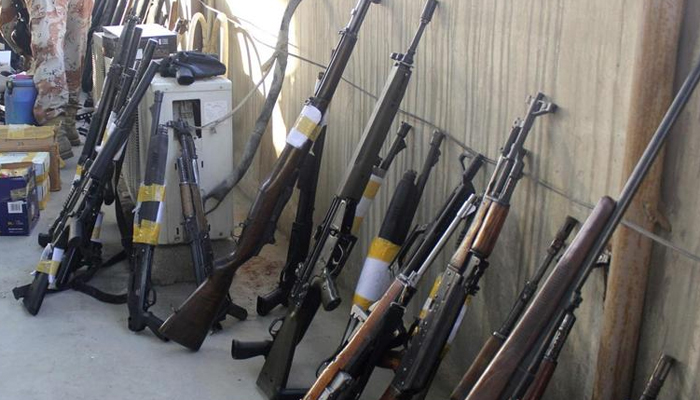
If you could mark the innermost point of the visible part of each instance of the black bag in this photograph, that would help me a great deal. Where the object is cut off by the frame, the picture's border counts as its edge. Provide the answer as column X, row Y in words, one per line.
column 188, row 66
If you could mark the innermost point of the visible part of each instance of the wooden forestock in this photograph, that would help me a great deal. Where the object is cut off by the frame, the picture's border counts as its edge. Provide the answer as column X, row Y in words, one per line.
column 486, row 239
column 362, row 339
column 543, row 308
column 460, row 256
column 491, row 347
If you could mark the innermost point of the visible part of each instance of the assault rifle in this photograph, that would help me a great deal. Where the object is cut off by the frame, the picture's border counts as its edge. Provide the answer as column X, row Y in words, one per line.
column 64, row 254
column 549, row 305
column 190, row 324
column 335, row 239
column 300, row 239
column 376, row 275
column 347, row 374
column 98, row 124
column 495, row 341
column 447, row 307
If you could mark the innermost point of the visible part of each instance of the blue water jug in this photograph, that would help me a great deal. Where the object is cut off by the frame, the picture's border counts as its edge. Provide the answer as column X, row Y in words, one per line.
column 19, row 100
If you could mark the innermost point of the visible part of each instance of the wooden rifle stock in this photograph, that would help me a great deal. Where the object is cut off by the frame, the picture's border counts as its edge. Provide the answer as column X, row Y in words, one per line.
column 544, row 306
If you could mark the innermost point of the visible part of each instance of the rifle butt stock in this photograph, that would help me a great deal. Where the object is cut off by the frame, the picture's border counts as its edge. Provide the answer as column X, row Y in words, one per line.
column 190, row 324
column 34, row 296
column 543, row 307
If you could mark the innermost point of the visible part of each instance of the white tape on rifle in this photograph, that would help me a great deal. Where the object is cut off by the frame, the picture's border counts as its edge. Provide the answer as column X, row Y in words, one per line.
column 375, row 277
column 375, row 182
column 306, row 127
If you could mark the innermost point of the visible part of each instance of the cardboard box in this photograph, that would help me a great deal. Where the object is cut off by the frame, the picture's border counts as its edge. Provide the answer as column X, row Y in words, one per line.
column 19, row 206
column 40, row 162
column 27, row 138
column 43, row 194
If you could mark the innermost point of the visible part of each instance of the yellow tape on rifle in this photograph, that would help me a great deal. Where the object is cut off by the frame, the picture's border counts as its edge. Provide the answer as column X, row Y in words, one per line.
column 146, row 232
column 151, row 193
column 371, row 189
column 307, row 127
column 361, row 301
column 382, row 249
column 48, row 267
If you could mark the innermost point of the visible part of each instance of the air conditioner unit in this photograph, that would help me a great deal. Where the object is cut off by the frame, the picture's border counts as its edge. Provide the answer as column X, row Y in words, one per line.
column 205, row 100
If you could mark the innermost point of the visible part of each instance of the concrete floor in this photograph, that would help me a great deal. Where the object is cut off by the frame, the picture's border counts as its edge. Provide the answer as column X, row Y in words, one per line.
column 78, row 348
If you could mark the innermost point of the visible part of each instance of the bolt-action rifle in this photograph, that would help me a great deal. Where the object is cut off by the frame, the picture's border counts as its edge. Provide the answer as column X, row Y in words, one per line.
column 347, row 375
column 460, row 281
column 550, row 304
column 190, row 324
column 64, row 255
column 335, row 237
column 495, row 341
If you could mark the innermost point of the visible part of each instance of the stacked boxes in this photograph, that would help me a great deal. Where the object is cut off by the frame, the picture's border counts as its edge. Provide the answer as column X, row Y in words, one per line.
column 26, row 138
column 19, row 206
column 41, row 162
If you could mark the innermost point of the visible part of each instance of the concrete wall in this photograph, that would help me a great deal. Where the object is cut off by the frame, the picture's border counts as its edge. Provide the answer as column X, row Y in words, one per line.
column 476, row 65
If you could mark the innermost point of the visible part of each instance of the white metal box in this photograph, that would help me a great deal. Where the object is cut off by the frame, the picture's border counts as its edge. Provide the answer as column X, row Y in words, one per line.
column 212, row 99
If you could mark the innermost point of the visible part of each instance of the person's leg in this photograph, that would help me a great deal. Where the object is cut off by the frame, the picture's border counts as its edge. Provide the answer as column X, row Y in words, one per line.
column 79, row 13
column 48, row 25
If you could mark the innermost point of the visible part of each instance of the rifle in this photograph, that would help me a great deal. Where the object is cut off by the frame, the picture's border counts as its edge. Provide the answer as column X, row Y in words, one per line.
column 376, row 275
column 72, row 243
column 334, row 239
column 300, row 238
column 536, row 378
column 98, row 124
column 575, row 265
column 445, row 310
column 147, row 227
column 191, row 322
column 347, row 374
column 495, row 341
column 302, row 229
column 657, row 379
column 195, row 221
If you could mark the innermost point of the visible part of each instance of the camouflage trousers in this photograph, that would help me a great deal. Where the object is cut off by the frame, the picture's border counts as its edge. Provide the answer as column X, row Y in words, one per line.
column 59, row 39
